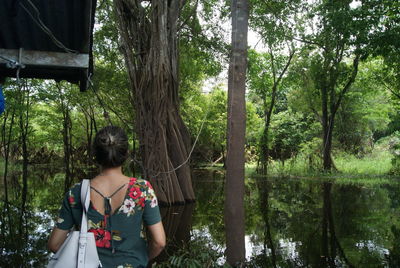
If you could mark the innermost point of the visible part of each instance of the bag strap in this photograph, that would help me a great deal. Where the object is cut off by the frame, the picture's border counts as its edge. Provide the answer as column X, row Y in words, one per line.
column 85, row 200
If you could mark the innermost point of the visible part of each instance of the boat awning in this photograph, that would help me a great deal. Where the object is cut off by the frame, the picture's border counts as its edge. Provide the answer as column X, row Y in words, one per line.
column 47, row 39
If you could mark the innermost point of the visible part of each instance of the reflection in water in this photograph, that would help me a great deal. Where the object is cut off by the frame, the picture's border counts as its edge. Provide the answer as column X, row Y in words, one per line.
column 394, row 255
column 268, row 243
column 177, row 221
column 289, row 222
column 330, row 248
column 312, row 224
column 25, row 244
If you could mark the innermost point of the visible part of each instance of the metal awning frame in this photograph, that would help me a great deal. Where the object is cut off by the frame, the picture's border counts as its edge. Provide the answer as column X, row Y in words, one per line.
column 35, row 64
column 14, row 58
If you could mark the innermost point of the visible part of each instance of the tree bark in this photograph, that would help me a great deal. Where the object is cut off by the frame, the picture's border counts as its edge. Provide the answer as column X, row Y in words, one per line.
column 330, row 105
column 24, row 125
column 327, row 126
column 90, row 125
column 149, row 44
column 264, row 147
column 236, row 128
column 7, row 143
column 66, row 133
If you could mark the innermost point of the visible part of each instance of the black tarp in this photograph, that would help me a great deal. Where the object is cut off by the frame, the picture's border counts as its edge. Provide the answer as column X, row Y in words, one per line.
column 69, row 23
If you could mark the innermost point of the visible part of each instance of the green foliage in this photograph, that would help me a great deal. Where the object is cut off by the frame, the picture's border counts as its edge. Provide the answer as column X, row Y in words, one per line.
column 207, row 113
column 198, row 253
column 310, row 153
column 261, row 72
column 394, row 146
column 312, row 29
column 365, row 110
column 350, row 168
column 288, row 131
column 376, row 163
column 276, row 21
column 326, row 36
column 253, row 130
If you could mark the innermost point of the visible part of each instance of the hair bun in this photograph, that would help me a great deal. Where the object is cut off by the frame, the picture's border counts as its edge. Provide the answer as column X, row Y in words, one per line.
column 108, row 140
column 110, row 146
column 111, row 140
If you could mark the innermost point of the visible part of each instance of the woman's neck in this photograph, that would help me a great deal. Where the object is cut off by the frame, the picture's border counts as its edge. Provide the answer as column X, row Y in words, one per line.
column 111, row 172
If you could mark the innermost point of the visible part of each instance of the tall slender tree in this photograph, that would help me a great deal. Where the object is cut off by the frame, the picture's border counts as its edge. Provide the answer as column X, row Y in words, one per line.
column 65, row 109
column 277, row 24
column 337, row 40
column 236, row 128
column 25, row 103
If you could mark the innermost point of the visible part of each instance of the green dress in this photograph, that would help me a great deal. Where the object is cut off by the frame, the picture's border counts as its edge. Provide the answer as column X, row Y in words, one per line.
column 119, row 237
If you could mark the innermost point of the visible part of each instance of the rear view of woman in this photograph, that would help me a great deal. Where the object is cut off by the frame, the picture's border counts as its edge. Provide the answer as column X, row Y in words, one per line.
column 120, row 208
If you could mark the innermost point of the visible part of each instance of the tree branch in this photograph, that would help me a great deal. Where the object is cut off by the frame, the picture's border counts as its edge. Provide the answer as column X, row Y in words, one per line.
column 348, row 84
column 286, row 66
column 192, row 14
column 310, row 42
column 396, row 94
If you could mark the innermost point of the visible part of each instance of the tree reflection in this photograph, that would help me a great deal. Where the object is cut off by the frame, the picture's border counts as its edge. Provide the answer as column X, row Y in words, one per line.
column 24, row 246
column 329, row 241
column 268, row 243
column 394, row 252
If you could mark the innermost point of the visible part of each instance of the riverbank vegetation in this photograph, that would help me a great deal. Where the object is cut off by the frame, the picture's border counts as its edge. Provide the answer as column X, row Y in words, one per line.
column 56, row 122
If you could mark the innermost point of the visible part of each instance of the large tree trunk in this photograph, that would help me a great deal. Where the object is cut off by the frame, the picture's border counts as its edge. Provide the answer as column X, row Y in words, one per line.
column 234, row 187
column 149, row 44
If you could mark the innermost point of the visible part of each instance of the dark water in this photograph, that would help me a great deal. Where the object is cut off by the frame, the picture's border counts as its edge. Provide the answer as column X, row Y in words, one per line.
column 309, row 223
column 289, row 222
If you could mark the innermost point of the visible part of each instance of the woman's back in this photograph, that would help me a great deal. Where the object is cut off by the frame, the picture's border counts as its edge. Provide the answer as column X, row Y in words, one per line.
column 119, row 236
column 108, row 185
column 119, row 208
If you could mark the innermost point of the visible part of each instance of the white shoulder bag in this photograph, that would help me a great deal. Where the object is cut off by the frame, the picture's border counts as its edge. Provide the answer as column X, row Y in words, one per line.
column 79, row 248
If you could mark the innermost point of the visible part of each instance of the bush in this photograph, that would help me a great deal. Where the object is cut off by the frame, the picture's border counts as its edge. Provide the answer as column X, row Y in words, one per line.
column 198, row 253
column 394, row 146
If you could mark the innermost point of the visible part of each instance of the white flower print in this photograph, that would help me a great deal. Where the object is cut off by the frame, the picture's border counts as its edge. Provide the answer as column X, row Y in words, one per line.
column 128, row 207
column 154, row 202
column 150, row 192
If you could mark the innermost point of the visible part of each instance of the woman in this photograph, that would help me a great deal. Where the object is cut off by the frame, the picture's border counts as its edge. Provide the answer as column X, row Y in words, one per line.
column 119, row 207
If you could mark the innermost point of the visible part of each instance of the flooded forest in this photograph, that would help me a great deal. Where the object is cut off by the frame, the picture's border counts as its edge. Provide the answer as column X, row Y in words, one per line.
column 312, row 87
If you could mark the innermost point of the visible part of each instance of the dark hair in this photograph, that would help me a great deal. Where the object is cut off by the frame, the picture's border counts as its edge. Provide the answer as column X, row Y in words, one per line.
column 110, row 147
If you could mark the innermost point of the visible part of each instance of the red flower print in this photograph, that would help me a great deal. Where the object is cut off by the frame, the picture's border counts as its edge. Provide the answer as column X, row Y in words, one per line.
column 135, row 192
column 132, row 181
column 71, row 200
column 141, row 202
column 102, row 237
column 149, row 185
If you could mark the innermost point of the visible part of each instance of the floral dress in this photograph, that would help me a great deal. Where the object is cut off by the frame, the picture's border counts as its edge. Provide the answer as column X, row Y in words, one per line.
column 119, row 237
